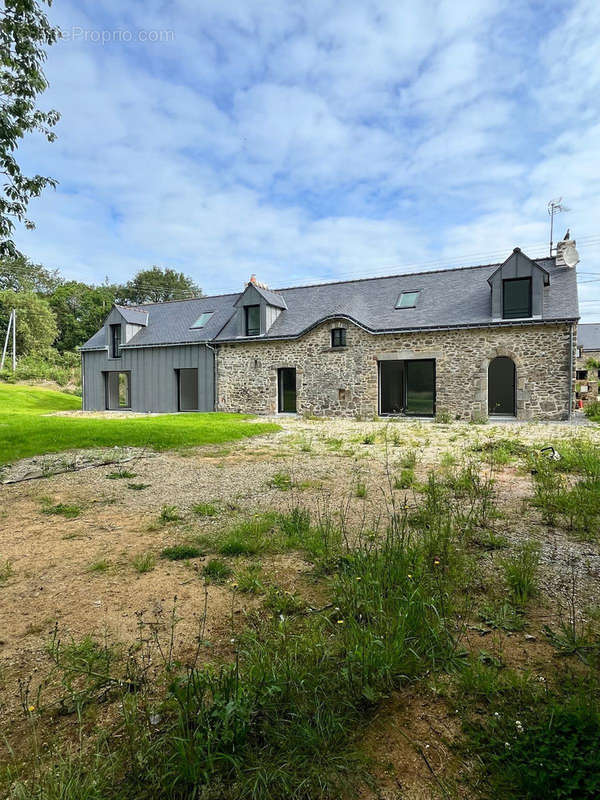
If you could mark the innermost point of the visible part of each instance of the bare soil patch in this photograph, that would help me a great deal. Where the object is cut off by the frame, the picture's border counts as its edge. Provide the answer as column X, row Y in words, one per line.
column 53, row 581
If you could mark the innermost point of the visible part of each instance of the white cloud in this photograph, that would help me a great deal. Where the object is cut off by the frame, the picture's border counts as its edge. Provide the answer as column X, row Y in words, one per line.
column 315, row 140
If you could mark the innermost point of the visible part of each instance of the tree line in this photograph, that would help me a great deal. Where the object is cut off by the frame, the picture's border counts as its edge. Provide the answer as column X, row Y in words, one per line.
column 57, row 314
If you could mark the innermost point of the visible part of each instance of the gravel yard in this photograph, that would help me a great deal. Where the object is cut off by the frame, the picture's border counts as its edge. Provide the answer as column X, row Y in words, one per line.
column 54, row 577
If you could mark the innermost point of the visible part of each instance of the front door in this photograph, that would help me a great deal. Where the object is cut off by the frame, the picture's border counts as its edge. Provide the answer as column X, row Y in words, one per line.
column 287, row 390
column 188, row 390
column 501, row 386
column 407, row 387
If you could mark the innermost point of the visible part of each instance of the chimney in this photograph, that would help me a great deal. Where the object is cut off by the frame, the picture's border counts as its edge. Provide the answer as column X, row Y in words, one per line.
column 254, row 282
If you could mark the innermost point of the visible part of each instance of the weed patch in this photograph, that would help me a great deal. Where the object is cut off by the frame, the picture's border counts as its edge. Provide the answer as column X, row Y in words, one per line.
column 181, row 552
column 60, row 509
column 216, row 570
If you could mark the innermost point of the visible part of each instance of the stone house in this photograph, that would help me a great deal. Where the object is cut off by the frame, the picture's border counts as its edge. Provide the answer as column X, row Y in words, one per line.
column 587, row 364
column 494, row 339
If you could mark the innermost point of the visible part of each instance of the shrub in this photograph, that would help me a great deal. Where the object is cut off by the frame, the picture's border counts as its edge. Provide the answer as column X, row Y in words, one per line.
column 592, row 410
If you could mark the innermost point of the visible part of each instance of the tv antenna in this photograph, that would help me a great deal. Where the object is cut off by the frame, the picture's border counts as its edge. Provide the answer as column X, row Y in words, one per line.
column 555, row 207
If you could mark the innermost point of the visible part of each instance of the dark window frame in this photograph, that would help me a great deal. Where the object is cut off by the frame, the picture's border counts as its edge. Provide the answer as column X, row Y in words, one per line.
column 506, row 313
column 403, row 412
column 115, row 346
column 247, row 329
column 206, row 315
column 338, row 337
column 416, row 292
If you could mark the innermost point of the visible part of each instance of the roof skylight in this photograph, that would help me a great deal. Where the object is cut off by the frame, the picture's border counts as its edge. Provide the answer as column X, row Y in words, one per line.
column 407, row 299
column 202, row 319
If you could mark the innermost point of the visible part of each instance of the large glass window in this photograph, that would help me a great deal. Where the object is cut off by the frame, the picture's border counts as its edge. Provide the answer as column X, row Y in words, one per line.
column 420, row 387
column 407, row 387
column 115, row 341
column 252, row 320
column 516, row 298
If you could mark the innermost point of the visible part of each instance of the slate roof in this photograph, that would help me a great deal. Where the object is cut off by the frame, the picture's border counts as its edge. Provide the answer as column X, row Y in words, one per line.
column 135, row 316
column 272, row 298
column 588, row 336
column 449, row 299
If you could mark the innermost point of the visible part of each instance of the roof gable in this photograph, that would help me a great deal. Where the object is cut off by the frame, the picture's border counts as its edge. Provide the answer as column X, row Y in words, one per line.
column 132, row 315
column 518, row 263
column 248, row 297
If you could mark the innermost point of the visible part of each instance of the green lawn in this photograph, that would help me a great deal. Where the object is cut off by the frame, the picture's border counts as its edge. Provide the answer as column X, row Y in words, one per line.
column 24, row 431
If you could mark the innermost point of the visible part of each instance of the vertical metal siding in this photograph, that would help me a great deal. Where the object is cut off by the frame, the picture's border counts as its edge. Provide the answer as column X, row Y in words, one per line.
column 153, row 376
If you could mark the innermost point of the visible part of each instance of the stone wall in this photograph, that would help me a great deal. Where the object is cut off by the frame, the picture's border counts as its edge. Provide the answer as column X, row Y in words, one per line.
column 592, row 380
column 344, row 381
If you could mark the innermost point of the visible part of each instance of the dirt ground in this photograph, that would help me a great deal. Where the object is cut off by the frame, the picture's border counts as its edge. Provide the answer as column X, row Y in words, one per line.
column 51, row 557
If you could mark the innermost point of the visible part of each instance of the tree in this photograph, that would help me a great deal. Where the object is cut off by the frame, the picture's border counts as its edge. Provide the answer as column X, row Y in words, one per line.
column 22, row 275
column 24, row 31
column 80, row 311
column 36, row 325
column 155, row 285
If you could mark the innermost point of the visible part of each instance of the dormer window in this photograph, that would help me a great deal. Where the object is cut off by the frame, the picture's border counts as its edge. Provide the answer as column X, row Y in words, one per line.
column 115, row 341
column 516, row 298
column 202, row 319
column 338, row 337
column 408, row 299
column 252, row 320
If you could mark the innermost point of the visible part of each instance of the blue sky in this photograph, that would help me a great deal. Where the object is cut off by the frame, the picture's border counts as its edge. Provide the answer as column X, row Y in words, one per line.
column 317, row 140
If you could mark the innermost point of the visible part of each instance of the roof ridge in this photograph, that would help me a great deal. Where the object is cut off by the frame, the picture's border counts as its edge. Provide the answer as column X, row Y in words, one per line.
column 185, row 300
column 403, row 275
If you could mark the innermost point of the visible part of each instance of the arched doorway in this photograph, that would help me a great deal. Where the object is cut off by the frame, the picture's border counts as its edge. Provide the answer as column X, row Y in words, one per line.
column 502, row 386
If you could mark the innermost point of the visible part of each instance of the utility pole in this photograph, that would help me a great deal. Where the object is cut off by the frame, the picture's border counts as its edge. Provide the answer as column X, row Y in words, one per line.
column 10, row 321
column 14, row 316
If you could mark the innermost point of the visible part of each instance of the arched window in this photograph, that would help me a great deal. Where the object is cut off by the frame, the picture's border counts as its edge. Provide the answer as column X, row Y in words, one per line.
column 502, row 386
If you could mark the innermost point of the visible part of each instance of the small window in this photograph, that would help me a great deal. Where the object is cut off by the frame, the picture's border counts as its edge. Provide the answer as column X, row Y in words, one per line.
column 115, row 341
column 407, row 299
column 581, row 374
column 252, row 320
column 202, row 319
column 338, row 337
column 516, row 297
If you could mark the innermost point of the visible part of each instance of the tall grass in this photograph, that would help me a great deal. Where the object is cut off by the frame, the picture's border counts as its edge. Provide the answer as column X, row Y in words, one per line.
column 281, row 719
